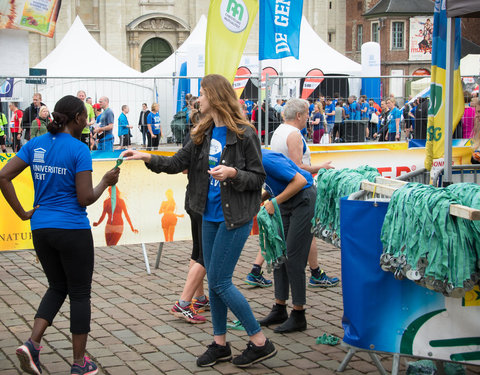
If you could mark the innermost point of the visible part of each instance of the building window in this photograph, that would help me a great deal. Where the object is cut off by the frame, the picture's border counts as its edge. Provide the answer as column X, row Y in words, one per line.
column 375, row 32
column 360, row 6
column 329, row 37
column 397, row 35
column 359, row 37
column 330, row 5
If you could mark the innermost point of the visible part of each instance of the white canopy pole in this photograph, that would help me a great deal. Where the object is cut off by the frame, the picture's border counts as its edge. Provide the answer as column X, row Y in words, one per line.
column 448, row 130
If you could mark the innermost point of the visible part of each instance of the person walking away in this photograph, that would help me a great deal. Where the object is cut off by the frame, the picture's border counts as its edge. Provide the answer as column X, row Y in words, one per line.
column 40, row 125
column 61, row 168
column 124, row 127
column 225, row 176
column 105, row 131
column 142, row 124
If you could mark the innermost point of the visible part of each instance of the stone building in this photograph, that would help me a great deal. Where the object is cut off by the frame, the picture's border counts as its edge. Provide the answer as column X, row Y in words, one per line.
column 142, row 33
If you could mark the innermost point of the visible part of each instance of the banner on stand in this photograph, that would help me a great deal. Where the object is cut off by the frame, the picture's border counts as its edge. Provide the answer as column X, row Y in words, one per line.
column 38, row 16
column 241, row 79
column 382, row 313
column 279, row 29
column 157, row 213
column 436, row 111
column 313, row 79
column 228, row 26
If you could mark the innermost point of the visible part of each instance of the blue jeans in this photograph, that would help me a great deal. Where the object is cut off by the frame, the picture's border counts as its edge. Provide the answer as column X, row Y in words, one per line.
column 221, row 250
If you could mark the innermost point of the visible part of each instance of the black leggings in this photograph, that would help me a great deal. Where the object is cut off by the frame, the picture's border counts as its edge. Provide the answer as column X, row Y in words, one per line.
column 67, row 259
column 196, row 226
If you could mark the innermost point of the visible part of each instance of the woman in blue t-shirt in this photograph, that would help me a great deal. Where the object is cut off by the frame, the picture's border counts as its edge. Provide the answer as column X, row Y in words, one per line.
column 317, row 120
column 61, row 168
column 153, row 125
column 225, row 178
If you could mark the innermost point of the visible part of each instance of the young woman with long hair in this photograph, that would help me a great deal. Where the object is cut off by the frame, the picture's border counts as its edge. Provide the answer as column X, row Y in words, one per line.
column 226, row 175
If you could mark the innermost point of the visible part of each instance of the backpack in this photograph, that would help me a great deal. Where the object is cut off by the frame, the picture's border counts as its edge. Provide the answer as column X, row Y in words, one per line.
column 179, row 125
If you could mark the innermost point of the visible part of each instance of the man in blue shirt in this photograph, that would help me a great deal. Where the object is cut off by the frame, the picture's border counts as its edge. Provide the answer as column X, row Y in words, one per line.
column 249, row 105
column 393, row 121
column 124, row 127
column 104, row 131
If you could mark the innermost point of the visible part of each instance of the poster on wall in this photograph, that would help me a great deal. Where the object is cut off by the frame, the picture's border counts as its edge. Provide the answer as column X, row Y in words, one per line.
column 421, row 31
column 39, row 16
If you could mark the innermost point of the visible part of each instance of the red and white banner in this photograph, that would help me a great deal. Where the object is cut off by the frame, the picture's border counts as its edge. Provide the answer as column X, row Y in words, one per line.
column 241, row 78
column 314, row 78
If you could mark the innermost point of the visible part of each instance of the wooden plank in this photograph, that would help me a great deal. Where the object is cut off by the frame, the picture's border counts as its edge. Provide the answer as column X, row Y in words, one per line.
column 390, row 182
column 458, row 210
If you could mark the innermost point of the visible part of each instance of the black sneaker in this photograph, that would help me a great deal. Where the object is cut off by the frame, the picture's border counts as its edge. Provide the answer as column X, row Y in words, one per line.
column 215, row 353
column 254, row 354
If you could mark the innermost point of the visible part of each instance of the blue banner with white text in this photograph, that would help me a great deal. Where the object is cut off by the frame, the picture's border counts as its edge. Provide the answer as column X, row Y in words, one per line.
column 280, row 22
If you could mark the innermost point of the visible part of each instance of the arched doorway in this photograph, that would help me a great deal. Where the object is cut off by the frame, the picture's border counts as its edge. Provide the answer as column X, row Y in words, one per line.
column 153, row 52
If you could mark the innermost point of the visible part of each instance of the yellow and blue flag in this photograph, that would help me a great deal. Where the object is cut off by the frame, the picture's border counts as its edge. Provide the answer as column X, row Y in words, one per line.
column 228, row 26
column 436, row 112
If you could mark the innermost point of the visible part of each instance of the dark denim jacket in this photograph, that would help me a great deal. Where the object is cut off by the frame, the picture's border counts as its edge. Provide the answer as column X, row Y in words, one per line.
column 240, row 195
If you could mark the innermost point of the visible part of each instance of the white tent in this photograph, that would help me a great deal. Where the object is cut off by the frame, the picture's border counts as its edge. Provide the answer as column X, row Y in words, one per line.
column 79, row 55
column 314, row 53
column 470, row 65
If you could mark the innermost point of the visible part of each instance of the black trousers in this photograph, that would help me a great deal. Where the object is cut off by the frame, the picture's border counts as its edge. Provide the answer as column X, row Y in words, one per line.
column 196, row 226
column 67, row 258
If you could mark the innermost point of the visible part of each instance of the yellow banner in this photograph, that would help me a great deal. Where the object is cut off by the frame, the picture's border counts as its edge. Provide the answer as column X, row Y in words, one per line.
column 228, row 27
column 435, row 146
column 153, row 204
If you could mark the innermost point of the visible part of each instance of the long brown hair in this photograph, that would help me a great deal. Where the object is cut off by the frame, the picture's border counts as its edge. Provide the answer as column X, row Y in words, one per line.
column 224, row 102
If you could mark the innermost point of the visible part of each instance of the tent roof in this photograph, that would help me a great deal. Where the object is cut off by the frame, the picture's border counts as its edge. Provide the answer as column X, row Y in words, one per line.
column 470, row 65
column 401, row 8
column 69, row 58
column 463, row 8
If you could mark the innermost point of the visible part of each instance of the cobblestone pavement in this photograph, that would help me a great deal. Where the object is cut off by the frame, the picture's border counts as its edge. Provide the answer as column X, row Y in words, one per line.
column 133, row 333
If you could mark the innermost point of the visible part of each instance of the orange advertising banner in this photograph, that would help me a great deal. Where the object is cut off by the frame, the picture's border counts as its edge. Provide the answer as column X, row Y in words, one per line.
column 314, row 78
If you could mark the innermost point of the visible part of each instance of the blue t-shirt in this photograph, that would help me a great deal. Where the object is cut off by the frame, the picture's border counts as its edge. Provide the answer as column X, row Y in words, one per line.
column 54, row 160
column 311, row 107
column 280, row 171
column 364, row 115
column 354, row 110
column 154, row 120
column 249, row 105
column 392, row 124
column 412, row 119
column 213, row 208
column 329, row 109
column 122, row 125
column 320, row 124
column 107, row 119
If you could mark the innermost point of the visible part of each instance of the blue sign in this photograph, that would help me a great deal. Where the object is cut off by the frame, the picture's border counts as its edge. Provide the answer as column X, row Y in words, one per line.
column 183, row 87
column 280, row 22
column 6, row 88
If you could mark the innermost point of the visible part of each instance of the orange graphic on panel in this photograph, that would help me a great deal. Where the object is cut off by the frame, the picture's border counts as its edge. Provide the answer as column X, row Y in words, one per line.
column 169, row 219
column 114, row 225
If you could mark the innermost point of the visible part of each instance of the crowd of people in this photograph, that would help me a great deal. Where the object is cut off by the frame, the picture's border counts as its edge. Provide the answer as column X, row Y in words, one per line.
column 227, row 171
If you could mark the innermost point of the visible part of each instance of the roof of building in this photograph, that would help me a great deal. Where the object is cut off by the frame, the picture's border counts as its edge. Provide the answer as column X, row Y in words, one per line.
column 385, row 8
column 468, row 47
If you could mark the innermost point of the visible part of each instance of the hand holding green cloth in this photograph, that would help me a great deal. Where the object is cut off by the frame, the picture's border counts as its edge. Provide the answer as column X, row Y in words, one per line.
column 113, row 195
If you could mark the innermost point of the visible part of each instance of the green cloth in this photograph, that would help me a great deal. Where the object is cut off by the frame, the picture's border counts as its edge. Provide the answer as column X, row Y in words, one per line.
column 328, row 340
column 90, row 117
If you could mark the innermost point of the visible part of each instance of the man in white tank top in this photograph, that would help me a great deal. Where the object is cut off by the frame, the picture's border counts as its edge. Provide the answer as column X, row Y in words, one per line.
column 288, row 140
